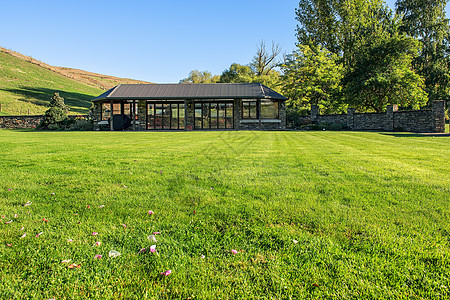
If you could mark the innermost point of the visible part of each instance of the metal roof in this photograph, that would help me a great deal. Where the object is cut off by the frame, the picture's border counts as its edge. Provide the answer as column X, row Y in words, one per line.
column 190, row 91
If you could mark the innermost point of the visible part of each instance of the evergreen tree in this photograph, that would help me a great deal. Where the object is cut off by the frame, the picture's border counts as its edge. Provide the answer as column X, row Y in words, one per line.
column 57, row 112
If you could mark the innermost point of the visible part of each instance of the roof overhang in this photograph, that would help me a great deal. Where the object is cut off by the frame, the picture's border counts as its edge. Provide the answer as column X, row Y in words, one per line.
column 219, row 91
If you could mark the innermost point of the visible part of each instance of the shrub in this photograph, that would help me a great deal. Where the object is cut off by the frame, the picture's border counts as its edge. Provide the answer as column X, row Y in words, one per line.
column 56, row 114
column 82, row 125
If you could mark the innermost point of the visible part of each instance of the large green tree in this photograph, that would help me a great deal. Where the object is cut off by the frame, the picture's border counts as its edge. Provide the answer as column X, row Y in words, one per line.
column 311, row 75
column 237, row 73
column 380, row 73
column 336, row 25
column 426, row 21
column 197, row 76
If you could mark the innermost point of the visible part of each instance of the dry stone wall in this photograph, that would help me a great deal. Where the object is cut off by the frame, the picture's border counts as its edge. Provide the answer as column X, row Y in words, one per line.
column 24, row 122
column 427, row 120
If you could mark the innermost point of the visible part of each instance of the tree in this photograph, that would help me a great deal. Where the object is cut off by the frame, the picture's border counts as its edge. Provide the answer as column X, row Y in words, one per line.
column 237, row 74
column 311, row 75
column 197, row 76
column 381, row 71
column 426, row 21
column 264, row 62
column 336, row 25
column 57, row 112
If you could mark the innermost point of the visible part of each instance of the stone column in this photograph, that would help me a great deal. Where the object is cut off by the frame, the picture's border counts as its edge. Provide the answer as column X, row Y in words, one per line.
column 438, row 108
column 237, row 113
column 96, row 114
column 389, row 118
column 142, row 115
column 190, row 114
column 351, row 118
column 282, row 114
column 111, row 127
column 314, row 113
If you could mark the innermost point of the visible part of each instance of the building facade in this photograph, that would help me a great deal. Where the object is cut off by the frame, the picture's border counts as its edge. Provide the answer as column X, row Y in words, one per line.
column 221, row 106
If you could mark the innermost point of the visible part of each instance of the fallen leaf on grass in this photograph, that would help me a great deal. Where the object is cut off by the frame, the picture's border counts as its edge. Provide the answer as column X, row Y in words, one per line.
column 166, row 273
column 66, row 261
column 113, row 253
column 71, row 266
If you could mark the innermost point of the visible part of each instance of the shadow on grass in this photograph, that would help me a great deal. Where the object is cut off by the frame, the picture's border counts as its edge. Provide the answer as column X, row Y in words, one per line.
column 415, row 135
column 41, row 97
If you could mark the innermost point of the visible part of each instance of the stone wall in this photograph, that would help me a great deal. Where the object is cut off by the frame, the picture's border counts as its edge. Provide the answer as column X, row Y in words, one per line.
column 427, row 120
column 23, row 122
column 16, row 122
column 330, row 119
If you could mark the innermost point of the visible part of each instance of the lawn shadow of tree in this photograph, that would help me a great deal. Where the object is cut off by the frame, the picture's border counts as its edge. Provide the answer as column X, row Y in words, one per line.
column 415, row 135
column 41, row 97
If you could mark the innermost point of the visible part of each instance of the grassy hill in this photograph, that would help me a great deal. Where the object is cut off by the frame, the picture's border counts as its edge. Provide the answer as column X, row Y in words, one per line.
column 26, row 85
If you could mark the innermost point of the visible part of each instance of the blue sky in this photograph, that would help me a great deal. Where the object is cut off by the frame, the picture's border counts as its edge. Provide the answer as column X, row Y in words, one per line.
column 157, row 41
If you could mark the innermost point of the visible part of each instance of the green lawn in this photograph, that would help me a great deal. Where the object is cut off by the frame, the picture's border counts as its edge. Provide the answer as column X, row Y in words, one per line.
column 370, row 213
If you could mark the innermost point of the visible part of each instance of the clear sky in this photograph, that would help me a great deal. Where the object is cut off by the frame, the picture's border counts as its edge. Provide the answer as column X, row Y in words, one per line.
column 158, row 41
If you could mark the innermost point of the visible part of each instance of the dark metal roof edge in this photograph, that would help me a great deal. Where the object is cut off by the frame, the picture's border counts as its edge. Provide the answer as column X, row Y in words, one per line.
column 186, row 98
column 109, row 94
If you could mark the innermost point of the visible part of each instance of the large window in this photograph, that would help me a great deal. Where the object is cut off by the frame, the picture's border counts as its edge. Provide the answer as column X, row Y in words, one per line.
column 106, row 111
column 249, row 109
column 124, row 107
column 269, row 109
column 213, row 115
column 165, row 115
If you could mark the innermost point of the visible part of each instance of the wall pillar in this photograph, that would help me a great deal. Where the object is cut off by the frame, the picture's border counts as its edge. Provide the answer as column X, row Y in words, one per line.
column 351, row 118
column 389, row 118
column 314, row 113
column 438, row 108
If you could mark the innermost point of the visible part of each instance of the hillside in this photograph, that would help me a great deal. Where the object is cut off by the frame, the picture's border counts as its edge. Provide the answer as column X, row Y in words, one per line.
column 26, row 85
